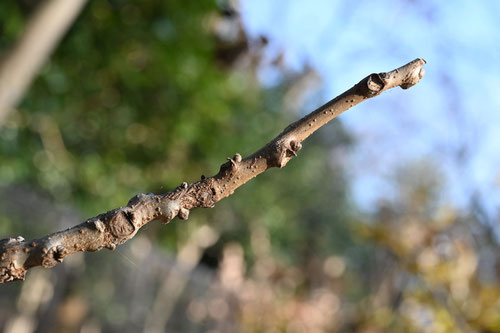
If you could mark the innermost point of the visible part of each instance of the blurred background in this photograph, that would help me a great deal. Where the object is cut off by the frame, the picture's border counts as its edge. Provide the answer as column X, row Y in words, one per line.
column 386, row 222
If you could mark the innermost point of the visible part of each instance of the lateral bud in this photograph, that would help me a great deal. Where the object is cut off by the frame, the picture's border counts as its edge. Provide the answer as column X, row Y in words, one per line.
column 375, row 83
column 183, row 213
column 236, row 159
column 12, row 240
column 101, row 227
column 295, row 145
column 110, row 246
column 136, row 199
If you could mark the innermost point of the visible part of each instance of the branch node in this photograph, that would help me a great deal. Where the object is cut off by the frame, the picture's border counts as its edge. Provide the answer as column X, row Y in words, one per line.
column 413, row 78
column 136, row 199
column 11, row 240
column 295, row 145
column 421, row 73
column 60, row 253
column 99, row 225
column 375, row 83
column 183, row 214
column 110, row 246
column 120, row 225
column 169, row 209
column 51, row 258
column 236, row 159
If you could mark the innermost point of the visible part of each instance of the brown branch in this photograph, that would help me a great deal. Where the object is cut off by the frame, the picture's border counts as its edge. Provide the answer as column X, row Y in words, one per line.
column 119, row 225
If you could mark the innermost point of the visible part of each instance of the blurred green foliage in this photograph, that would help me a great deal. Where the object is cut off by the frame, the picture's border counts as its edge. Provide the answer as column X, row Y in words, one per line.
column 138, row 97
column 135, row 100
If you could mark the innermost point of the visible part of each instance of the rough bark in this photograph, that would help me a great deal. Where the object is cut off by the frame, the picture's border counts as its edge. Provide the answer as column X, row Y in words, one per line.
column 119, row 225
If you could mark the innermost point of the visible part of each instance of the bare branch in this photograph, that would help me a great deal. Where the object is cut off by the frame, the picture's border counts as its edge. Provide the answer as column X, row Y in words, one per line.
column 119, row 225
column 43, row 32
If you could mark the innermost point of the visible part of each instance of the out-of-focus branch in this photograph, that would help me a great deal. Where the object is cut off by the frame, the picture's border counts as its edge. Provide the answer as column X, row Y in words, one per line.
column 22, row 63
column 119, row 225
column 174, row 284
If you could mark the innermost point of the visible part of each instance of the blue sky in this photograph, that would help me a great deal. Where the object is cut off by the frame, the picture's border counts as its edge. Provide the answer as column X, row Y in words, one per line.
column 451, row 117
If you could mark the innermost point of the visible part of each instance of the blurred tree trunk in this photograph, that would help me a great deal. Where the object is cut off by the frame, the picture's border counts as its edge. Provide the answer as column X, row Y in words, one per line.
column 42, row 34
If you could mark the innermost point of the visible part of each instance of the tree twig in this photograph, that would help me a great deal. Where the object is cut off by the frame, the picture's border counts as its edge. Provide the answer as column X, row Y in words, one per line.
column 119, row 225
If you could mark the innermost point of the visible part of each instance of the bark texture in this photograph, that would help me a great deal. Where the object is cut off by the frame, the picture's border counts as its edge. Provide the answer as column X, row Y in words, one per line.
column 119, row 225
